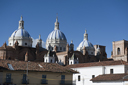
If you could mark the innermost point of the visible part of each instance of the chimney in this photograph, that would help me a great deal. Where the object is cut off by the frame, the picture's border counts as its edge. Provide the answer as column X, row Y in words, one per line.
column 26, row 56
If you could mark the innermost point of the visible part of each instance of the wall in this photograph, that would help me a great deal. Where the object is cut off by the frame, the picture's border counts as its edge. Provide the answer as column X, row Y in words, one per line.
column 87, row 72
column 35, row 77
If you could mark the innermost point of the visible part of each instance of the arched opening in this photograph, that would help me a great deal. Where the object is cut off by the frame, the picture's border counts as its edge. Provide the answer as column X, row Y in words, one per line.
column 51, row 60
column 9, row 58
column 118, row 51
column 71, row 63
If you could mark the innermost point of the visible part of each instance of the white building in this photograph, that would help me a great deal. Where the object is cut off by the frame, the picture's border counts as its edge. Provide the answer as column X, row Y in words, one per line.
column 101, row 73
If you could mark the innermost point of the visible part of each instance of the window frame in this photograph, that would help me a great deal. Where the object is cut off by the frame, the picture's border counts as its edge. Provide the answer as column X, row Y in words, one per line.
column 111, row 71
column 78, row 77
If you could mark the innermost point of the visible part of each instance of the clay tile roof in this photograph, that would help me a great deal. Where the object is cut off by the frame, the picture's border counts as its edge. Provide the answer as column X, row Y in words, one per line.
column 110, row 77
column 101, row 63
column 35, row 66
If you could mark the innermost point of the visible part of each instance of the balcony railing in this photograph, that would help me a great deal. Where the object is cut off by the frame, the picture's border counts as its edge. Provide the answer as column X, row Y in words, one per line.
column 67, row 82
column 8, row 81
column 25, row 81
column 43, row 81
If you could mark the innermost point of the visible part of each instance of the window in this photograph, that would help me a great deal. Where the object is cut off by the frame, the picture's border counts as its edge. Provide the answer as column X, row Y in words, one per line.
column 60, row 48
column 91, row 52
column 118, row 51
column 52, row 48
column 93, row 76
column 78, row 77
column 8, row 78
column 62, row 79
column 64, row 49
column 56, row 48
column 24, row 80
column 44, row 81
column 10, row 43
column 111, row 71
column 51, row 60
column 20, row 24
column 25, row 43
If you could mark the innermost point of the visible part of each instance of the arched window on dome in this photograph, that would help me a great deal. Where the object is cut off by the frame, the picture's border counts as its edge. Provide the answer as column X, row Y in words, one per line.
column 118, row 51
column 20, row 24
column 25, row 43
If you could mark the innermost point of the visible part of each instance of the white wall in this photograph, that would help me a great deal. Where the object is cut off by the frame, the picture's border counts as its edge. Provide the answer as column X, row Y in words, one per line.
column 87, row 72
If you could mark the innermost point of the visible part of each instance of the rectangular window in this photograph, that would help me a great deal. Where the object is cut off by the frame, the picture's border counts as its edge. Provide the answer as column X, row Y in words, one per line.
column 78, row 77
column 60, row 48
column 62, row 79
column 93, row 76
column 44, row 81
column 64, row 49
column 24, row 80
column 8, row 78
column 111, row 71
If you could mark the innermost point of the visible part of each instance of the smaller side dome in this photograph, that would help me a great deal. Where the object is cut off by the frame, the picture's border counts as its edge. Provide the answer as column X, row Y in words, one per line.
column 88, row 45
column 20, row 33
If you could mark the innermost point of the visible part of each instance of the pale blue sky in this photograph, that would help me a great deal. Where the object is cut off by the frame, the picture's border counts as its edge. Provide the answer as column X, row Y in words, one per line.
column 104, row 20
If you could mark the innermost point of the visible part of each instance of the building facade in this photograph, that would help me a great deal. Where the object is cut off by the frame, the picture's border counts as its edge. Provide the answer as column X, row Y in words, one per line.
column 101, row 73
column 34, row 73
column 120, row 50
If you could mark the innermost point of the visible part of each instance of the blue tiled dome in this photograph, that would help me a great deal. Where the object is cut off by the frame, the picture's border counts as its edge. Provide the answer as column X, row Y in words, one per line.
column 85, row 43
column 56, row 34
column 20, row 33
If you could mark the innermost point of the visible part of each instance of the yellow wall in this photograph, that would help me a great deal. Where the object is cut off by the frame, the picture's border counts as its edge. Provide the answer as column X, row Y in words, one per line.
column 35, row 77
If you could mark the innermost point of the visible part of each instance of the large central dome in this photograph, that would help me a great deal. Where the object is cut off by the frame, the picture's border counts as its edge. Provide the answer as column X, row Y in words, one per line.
column 56, row 38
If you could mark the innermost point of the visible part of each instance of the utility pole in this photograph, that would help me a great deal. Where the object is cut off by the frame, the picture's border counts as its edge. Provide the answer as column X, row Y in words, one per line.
column 27, row 74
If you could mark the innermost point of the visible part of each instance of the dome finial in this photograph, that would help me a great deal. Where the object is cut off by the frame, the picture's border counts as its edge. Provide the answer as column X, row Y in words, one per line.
column 21, row 23
column 39, row 36
column 56, row 17
column 85, row 35
column 71, row 41
column 56, row 23
column 21, row 18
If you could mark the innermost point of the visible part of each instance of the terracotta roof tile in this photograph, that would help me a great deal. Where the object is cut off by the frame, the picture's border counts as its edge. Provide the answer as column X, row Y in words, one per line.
column 110, row 77
column 35, row 66
column 102, row 63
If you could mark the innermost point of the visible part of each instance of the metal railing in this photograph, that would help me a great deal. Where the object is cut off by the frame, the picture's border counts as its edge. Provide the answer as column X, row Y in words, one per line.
column 67, row 82
column 24, row 81
column 8, row 81
column 43, row 81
